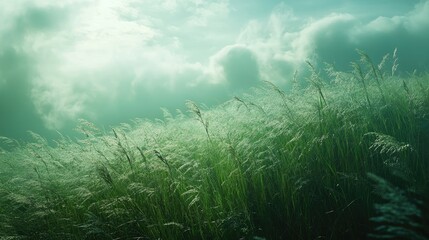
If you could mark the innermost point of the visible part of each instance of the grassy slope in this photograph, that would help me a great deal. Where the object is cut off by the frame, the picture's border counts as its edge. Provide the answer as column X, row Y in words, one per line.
column 272, row 165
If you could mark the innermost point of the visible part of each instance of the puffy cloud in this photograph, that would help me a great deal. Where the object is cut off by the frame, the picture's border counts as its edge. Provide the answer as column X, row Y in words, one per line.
column 95, row 57
column 407, row 32
column 283, row 42
column 15, row 102
column 21, row 24
column 237, row 67
column 110, row 61
column 379, row 36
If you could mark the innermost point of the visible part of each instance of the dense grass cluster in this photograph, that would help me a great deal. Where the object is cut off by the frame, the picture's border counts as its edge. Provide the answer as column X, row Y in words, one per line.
column 345, row 156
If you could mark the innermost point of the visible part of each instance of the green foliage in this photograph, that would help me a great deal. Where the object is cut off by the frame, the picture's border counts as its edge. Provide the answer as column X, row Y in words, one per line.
column 271, row 165
column 400, row 216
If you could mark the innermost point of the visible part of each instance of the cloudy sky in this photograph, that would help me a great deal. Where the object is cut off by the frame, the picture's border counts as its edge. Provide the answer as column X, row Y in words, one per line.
column 111, row 61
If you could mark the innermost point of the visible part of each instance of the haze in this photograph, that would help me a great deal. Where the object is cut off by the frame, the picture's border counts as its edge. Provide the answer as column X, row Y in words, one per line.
column 112, row 61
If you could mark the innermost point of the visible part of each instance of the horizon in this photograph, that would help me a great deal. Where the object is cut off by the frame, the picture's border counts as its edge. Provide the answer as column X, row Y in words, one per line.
column 110, row 62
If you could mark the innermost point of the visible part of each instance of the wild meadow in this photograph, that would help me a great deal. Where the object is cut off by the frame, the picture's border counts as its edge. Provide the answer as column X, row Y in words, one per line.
column 341, row 155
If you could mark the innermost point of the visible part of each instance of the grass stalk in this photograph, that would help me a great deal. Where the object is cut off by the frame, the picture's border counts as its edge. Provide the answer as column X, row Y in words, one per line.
column 367, row 60
column 316, row 82
column 263, row 177
column 193, row 107
column 358, row 71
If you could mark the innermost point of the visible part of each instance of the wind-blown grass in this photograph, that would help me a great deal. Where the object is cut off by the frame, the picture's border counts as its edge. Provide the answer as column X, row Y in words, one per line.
column 347, row 161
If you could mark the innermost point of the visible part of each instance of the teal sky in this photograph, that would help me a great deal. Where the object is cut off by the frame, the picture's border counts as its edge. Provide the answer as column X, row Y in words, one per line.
column 111, row 61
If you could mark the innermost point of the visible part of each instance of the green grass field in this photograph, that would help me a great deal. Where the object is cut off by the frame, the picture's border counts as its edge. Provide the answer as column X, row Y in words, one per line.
column 340, row 156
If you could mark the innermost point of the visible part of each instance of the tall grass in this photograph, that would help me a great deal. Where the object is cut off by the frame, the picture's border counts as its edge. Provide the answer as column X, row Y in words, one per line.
column 347, row 161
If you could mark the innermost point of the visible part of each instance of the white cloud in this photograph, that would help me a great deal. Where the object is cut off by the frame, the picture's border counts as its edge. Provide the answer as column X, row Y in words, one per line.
column 169, row 5
column 57, row 101
column 306, row 42
column 419, row 18
column 384, row 24
column 407, row 32
column 112, row 52
column 414, row 22
column 78, row 60
column 284, row 41
column 208, row 12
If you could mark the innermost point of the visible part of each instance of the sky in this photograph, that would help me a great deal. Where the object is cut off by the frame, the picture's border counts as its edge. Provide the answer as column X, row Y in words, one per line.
column 112, row 61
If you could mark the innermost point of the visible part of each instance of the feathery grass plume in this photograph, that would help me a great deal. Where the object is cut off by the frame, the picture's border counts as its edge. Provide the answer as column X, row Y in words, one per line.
column 264, row 175
column 41, row 141
column 406, row 88
column 180, row 115
column 337, row 76
column 399, row 217
column 8, row 143
column 260, row 108
column 282, row 95
column 38, row 150
column 192, row 196
column 364, row 58
column 394, row 154
column 386, row 144
column 394, row 68
column 193, row 107
column 87, row 128
column 104, row 173
column 316, row 81
column 381, row 66
column 142, row 154
column 168, row 117
column 242, row 102
column 122, row 148
column 395, row 62
column 358, row 71
column 295, row 83
column 164, row 160
column 248, row 103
